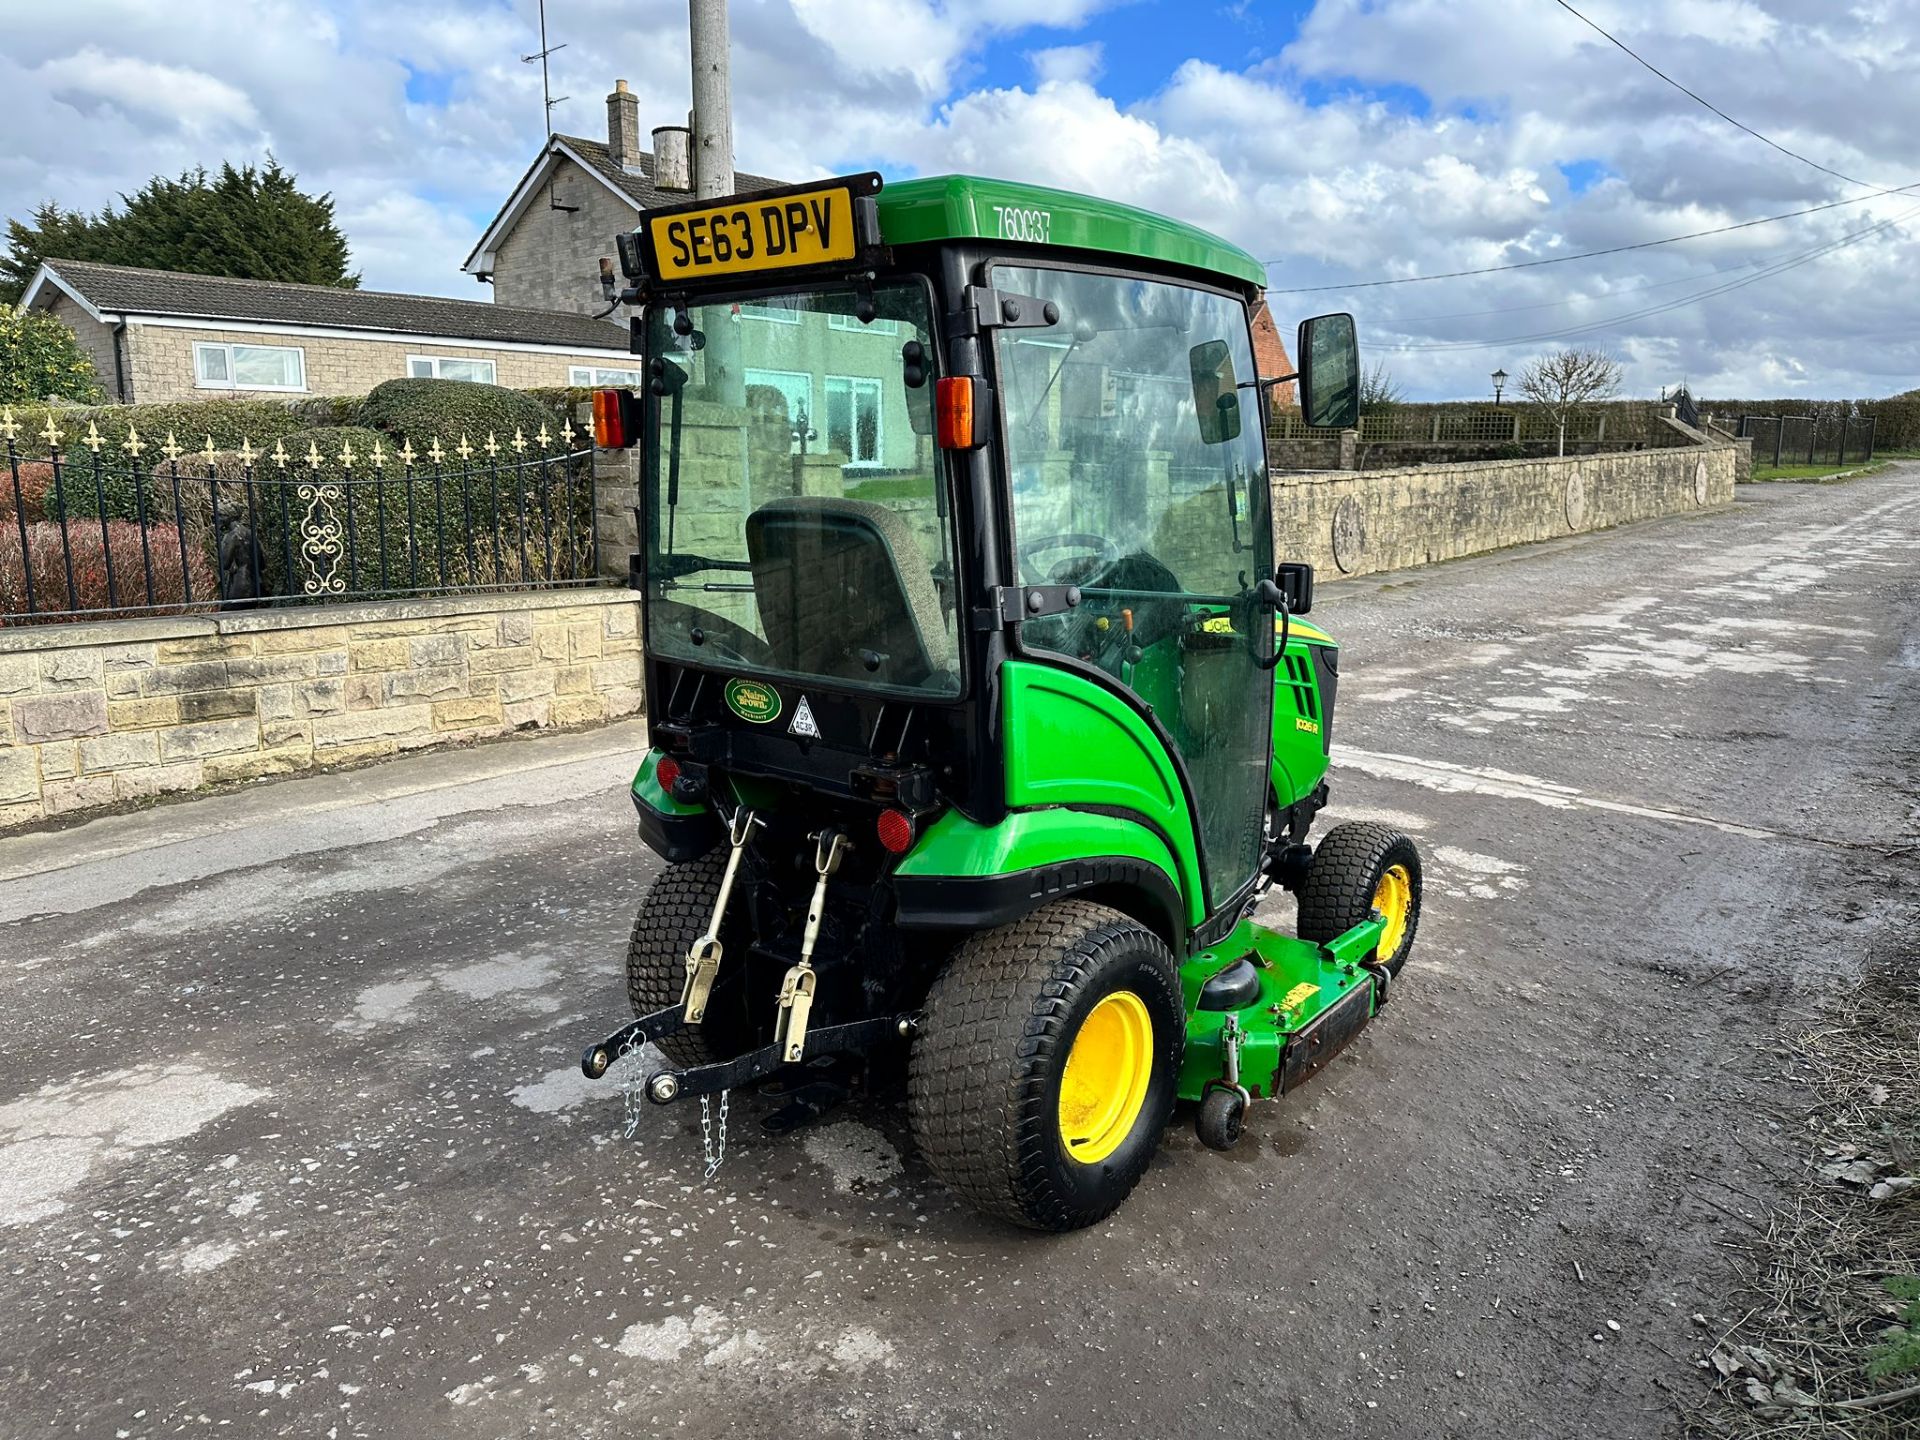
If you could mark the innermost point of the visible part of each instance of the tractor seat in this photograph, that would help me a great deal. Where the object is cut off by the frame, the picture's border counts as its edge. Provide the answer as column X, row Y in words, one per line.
column 834, row 578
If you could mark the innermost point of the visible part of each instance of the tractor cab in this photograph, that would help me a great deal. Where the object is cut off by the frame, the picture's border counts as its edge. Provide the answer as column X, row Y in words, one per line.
column 966, row 648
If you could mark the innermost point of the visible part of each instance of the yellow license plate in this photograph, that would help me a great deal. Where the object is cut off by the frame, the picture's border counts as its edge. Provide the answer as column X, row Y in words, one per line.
column 744, row 236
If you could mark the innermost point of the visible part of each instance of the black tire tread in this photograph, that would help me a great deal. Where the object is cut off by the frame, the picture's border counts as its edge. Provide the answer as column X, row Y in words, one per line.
column 1338, row 891
column 672, row 915
column 995, row 1018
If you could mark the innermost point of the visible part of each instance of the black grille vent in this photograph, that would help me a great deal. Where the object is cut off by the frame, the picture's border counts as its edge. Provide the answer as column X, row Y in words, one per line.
column 1300, row 681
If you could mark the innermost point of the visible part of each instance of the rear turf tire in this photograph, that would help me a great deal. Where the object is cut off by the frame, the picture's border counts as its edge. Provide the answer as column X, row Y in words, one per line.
column 1357, row 865
column 988, row 1068
column 673, row 914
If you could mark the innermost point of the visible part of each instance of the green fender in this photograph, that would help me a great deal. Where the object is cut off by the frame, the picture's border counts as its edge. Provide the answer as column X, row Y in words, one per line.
column 963, row 875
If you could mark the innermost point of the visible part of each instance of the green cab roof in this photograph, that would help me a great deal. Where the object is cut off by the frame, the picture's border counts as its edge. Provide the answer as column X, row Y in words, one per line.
column 967, row 207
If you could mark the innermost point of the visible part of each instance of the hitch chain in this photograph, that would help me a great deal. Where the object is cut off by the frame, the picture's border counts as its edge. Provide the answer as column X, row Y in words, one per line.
column 631, row 1088
column 797, row 989
column 713, row 1154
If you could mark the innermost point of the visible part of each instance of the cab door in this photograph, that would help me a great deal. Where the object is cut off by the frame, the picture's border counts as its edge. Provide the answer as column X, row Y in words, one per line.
column 1137, row 472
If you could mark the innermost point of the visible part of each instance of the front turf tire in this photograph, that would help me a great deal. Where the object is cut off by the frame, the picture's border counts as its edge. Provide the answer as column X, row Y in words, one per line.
column 673, row 914
column 990, row 1065
column 1360, row 867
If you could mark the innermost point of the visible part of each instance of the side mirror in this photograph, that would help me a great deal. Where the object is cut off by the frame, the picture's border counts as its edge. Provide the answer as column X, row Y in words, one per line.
column 1296, row 584
column 1216, row 393
column 1329, row 354
column 913, row 377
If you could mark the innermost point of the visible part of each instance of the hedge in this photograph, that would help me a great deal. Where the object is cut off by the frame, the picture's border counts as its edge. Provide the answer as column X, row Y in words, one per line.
column 424, row 410
column 133, row 563
column 191, row 422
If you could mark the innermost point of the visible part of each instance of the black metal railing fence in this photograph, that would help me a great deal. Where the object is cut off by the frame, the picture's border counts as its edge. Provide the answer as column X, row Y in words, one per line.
column 92, row 528
column 1817, row 439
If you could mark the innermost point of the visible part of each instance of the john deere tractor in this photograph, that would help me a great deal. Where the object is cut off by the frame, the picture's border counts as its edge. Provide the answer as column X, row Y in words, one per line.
column 982, row 717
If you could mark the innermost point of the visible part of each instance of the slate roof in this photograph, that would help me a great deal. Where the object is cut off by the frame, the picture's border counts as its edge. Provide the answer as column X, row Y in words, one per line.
column 639, row 188
column 126, row 290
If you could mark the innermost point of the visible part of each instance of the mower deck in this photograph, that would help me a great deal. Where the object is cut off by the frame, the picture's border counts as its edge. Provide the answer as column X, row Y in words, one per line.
column 1310, row 1001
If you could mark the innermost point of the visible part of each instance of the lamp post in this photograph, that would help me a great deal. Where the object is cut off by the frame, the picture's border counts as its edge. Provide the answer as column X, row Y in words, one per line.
column 1499, row 384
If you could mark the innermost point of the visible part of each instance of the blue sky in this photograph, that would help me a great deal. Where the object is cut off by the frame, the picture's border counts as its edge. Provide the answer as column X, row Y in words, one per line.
column 1138, row 39
column 1345, row 140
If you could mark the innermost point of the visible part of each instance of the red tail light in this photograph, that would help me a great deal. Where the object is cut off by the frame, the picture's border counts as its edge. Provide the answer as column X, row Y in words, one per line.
column 895, row 828
column 955, row 417
column 667, row 772
column 609, row 423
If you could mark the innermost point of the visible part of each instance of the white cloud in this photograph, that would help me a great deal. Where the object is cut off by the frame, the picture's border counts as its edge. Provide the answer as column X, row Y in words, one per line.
column 1068, row 64
column 91, row 81
column 1387, row 138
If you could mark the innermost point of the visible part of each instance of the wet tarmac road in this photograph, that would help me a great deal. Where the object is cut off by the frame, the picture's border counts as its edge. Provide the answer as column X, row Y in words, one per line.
column 293, row 1142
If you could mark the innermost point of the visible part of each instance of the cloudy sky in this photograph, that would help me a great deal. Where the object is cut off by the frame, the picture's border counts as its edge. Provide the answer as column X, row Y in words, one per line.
column 1343, row 141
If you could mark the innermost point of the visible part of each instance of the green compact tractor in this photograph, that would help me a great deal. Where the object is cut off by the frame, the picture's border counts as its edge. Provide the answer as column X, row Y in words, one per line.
column 982, row 717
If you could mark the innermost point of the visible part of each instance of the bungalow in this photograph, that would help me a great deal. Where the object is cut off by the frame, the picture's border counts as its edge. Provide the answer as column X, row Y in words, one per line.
column 159, row 335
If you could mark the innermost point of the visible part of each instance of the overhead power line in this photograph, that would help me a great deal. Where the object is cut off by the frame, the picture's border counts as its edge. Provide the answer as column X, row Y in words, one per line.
column 1702, row 100
column 1593, row 254
column 1590, row 327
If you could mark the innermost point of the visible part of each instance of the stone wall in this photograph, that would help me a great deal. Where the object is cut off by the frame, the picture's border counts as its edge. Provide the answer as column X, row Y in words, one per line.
column 1368, row 521
column 118, row 710
column 96, row 339
column 160, row 361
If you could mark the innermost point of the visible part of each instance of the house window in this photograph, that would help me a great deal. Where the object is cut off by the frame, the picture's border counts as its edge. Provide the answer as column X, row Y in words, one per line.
column 837, row 321
column 795, row 388
column 780, row 310
column 249, row 367
column 597, row 376
column 447, row 367
column 853, row 418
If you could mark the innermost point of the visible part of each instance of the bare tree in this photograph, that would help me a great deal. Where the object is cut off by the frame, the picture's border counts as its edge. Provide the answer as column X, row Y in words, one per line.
column 1379, row 390
column 1567, row 381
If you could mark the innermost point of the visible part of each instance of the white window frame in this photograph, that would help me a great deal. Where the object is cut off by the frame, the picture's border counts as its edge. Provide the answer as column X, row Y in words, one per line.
column 855, row 384
column 582, row 376
column 232, row 382
column 772, row 314
column 493, row 368
column 837, row 321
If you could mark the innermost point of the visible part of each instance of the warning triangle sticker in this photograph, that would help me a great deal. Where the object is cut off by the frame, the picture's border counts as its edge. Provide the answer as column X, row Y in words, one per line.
column 804, row 724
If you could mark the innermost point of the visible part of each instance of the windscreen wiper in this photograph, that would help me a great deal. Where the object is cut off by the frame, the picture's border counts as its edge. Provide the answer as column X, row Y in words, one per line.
column 676, row 567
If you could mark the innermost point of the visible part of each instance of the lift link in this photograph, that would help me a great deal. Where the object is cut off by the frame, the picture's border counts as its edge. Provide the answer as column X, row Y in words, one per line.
column 703, row 959
column 796, row 990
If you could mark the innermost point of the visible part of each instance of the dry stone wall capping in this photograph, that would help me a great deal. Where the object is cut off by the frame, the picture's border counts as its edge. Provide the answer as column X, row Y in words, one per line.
column 117, row 710
column 1367, row 521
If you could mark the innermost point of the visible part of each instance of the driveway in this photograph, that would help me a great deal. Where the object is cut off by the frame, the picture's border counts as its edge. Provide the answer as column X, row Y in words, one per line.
column 292, row 1139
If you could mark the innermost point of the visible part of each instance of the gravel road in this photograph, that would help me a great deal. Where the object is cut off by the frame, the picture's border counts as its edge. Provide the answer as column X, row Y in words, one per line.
column 292, row 1141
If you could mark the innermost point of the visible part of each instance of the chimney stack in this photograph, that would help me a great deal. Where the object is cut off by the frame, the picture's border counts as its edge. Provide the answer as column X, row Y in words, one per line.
column 623, row 127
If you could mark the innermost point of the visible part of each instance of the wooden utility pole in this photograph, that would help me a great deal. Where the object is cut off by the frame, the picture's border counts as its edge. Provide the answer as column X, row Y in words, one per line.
column 712, row 100
column 713, row 170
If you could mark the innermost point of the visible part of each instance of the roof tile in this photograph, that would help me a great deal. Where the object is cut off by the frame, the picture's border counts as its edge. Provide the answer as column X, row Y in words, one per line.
column 127, row 290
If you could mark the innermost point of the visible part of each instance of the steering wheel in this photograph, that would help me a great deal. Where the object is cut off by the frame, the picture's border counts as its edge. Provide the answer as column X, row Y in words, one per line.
column 1104, row 551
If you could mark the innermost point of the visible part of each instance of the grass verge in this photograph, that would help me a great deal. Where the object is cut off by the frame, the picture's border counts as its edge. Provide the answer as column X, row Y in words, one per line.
column 1824, row 1348
column 1821, row 473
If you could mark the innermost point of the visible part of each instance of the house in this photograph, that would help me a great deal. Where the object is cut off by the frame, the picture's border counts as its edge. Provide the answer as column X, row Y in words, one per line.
column 1270, row 354
column 159, row 335
column 543, row 249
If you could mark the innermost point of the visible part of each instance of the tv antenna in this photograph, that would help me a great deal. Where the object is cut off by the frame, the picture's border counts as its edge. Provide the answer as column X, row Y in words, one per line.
column 546, row 87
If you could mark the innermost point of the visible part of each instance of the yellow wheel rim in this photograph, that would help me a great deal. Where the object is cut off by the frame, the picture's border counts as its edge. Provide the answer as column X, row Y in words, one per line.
column 1105, row 1082
column 1393, row 898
